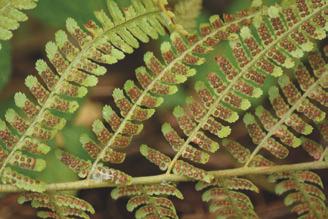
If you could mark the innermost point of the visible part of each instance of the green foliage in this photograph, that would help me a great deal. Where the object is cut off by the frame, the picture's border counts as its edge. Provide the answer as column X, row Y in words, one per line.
column 186, row 12
column 261, row 50
column 72, row 67
column 268, row 43
column 305, row 194
column 157, row 78
column 57, row 205
column 81, row 10
column 149, row 200
column 5, row 64
column 11, row 15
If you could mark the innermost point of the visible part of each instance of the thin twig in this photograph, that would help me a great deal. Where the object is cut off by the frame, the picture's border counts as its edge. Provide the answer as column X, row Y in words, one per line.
column 143, row 180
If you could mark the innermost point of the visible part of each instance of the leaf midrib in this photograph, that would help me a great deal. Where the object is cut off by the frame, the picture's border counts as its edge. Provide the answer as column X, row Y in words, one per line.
column 84, row 51
column 151, row 86
column 287, row 115
column 228, row 88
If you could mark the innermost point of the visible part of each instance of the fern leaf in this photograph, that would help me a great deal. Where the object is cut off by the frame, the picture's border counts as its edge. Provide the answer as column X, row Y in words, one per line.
column 186, row 12
column 299, row 101
column 137, row 104
column 149, row 201
column 57, row 205
column 225, row 199
column 72, row 67
column 259, row 54
column 11, row 15
column 102, row 173
column 305, row 194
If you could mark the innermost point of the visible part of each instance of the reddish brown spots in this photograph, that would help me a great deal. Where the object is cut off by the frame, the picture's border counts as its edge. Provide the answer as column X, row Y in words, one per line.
column 276, row 55
column 244, row 88
column 233, row 99
column 60, row 104
column 196, row 110
column 203, row 141
column 252, row 45
column 104, row 135
column 121, row 141
column 174, row 140
column 314, row 149
column 186, row 169
column 277, row 26
column 276, row 149
column 287, row 45
column 298, row 37
column 302, row 7
column 154, row 65
column 266, row 66
column 113, row 156
column 290, row 17
column 39, row 92
column 222, row 112
column 158, row 158
column 291, row 92
column 264, row 34
column 92, row 149
column 238, row 151
column 77, row 165
column 205, row 30
column 255, row 77
column 216, row 82
column 240, row 55
column 212, row 126
column 226, row 67
column 217, row 23
column 206, row 97
column 179, row 44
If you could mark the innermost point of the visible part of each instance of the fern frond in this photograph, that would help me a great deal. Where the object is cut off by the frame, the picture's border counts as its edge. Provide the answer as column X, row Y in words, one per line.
column 137, row 103
column 186, row 12
column 280, row 36
column 288, row 113
column 11, row 15
column 305, row 194
column 58, row 206
column 149, row 201
column 226, row 200
column 73, row 65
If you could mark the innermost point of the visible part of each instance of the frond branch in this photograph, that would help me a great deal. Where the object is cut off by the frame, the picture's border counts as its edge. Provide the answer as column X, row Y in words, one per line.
column 229, row 87
column 82, row 55
column 155, row 81
column 285, row 117
column 144, row 180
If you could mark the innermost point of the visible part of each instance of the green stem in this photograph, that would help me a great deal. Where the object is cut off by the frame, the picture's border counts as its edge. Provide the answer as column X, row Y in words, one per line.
column 143, row 180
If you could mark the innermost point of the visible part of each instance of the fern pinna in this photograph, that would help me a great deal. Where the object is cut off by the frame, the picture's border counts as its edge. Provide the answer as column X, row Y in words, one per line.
column 138, row 104
column 274, row 43
column 11, row 15
column 57, row 205
column 73, row 65
column 304, row 105
column 150, row 201
column 257, row 59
